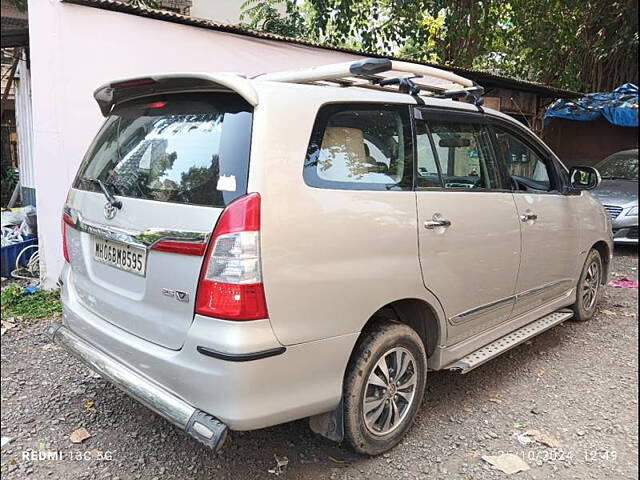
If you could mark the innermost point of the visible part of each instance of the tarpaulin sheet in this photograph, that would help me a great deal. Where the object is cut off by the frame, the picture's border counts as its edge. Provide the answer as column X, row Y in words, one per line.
column 619, row 107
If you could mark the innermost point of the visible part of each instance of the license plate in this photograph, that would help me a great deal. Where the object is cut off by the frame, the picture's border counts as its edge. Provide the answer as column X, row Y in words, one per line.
column 120, row 256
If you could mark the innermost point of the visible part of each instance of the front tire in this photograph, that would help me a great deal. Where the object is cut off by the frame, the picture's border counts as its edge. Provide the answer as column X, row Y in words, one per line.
column 589, row 288
column 383, row 387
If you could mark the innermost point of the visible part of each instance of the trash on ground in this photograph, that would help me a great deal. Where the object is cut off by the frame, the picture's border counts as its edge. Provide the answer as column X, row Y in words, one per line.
column 536, row 436
column 508, row 463
column 524, row 439
column 79, row 435
column 519, row 424
column 18, row 225
column 6, row 440
column 623, row 282
column 496, row 399
column 29, row 289
column 544, row 438
column 281, row 463
column 6, row 326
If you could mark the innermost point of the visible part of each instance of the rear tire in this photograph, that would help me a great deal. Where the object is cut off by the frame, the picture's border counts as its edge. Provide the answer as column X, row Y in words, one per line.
column 383, row 387
column 589, row 288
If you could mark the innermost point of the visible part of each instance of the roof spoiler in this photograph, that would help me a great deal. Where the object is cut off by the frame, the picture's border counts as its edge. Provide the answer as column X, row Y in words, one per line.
column 118, row 91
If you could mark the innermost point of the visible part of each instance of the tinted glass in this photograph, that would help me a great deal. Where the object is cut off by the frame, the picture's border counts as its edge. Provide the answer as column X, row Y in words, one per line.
column 428, row 174
column 619, row 167
column 186, row 148
column 360, row 147
column 465, row 155
column 522, row 162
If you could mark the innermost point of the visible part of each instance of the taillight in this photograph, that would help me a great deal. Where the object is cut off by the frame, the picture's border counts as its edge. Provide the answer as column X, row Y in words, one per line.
column 230, row 284
column 66, row 220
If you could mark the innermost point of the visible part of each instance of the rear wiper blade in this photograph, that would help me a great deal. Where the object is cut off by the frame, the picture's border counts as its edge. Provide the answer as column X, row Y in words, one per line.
column 113, row 201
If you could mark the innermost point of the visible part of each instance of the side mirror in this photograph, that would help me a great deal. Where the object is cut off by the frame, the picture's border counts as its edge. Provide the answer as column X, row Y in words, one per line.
column 584, row 178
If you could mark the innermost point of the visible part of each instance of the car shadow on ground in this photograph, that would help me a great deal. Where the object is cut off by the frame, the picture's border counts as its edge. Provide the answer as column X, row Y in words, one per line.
column 445, row 389
column 450, row 399
column 625, row 251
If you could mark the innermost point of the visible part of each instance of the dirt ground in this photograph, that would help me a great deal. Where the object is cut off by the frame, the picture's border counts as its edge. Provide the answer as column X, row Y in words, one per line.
column 576, row 382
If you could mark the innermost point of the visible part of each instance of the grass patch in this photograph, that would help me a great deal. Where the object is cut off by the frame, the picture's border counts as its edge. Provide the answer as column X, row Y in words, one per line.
column 39, row 304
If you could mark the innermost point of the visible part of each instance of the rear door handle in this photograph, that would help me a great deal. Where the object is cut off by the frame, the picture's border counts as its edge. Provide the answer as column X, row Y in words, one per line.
column 436, row 222
column 528, row 217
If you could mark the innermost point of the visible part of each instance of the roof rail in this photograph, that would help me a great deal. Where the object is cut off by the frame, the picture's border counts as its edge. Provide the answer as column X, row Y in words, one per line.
column 377, row 73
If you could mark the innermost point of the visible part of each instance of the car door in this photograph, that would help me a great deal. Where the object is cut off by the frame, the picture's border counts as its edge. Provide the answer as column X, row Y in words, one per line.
column 550, row 235
column 468, row 227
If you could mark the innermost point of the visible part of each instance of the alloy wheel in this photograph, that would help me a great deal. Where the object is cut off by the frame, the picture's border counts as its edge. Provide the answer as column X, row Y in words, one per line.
column 591, row 285
column 390, row 391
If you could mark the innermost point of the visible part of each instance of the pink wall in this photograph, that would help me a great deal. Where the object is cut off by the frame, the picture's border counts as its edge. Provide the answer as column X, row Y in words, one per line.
column 74, row 49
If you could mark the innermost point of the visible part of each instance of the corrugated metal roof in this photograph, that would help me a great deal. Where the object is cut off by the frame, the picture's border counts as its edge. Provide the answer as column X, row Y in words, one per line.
column 486, row 79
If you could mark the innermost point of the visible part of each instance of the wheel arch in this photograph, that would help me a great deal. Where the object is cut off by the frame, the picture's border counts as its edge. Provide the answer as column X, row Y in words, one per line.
column 604, row 250
column 418, row 314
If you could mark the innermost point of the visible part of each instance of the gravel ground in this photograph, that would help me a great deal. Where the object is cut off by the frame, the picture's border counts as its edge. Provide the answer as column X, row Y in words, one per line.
column 576, row 382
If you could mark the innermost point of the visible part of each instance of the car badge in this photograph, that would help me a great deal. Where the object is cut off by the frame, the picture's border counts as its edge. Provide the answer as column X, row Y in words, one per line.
column 110, row 211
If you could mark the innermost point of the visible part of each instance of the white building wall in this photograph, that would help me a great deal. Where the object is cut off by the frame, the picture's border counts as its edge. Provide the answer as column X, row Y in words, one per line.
column 74, row 49
column 223, row 11
column 24, row 125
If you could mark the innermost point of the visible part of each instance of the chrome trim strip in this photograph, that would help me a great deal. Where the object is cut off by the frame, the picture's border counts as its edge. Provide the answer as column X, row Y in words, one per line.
column 144, row 239
column 166, row 404
column 205, row 428
column 474, row 313
column 537, row 290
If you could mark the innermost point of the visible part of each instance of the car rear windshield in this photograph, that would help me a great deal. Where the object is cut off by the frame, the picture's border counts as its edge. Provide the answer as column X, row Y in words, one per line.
column 180, row 148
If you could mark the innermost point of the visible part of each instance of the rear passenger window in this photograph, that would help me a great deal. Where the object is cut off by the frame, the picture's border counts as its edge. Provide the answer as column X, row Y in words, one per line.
column 428, row 173
column 365, row 147
column 525, row 166
column 465, row 155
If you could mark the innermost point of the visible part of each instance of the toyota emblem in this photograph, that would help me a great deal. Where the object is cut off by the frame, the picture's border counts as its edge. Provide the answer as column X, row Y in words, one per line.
column 109, row 211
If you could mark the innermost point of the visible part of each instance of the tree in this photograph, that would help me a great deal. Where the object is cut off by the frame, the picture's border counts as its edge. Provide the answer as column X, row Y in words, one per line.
column 584, row 45
column 267, row 15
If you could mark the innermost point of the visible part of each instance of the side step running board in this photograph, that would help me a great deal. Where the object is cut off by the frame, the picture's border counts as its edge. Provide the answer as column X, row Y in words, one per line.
column 498, row 347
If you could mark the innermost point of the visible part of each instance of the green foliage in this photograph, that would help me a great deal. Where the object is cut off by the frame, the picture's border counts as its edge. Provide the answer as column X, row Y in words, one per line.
column 40, row 304
column 267, row 15
column 584, row 45
column 7, row 184
column 21, row 5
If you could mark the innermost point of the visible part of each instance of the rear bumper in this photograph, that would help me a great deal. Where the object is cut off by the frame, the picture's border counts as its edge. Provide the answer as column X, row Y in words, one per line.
column 237, row 372
column 202, row 427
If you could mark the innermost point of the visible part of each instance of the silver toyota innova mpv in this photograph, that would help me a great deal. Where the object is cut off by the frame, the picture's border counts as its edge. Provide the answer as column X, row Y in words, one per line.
column 243, row 252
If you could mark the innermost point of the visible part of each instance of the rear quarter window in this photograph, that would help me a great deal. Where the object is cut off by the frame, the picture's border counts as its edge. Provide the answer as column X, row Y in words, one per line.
column 180, row 148
column 360, row 147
